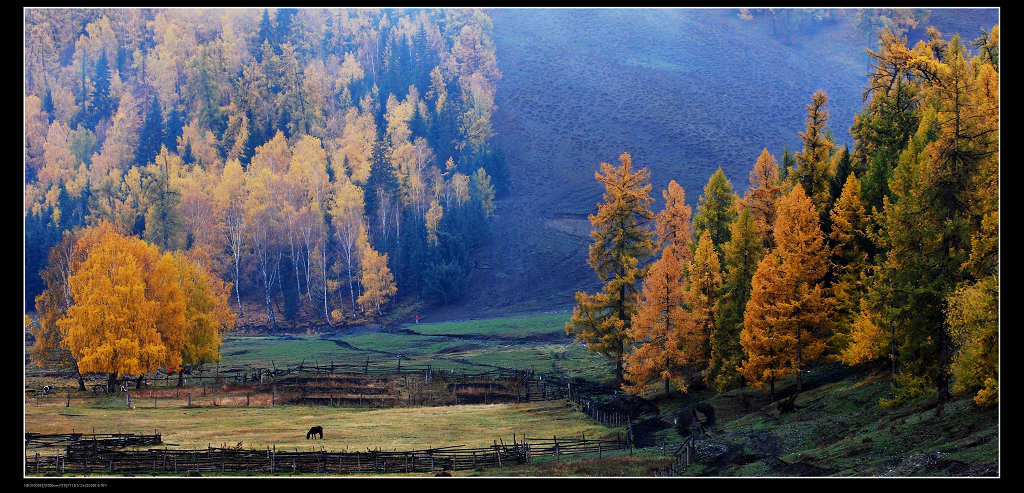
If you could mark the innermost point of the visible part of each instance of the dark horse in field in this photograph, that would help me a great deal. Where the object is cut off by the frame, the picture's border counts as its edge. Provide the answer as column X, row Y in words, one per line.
column 316, row 430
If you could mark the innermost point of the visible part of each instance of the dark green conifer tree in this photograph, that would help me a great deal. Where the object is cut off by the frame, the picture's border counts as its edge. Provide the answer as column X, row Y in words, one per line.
column 151, row 136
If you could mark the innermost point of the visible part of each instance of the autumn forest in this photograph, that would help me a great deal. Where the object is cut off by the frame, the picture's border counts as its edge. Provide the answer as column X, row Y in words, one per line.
column 189, row 173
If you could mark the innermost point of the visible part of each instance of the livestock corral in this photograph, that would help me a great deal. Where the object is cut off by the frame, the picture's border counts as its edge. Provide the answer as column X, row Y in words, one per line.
column 335, row 385
column 568, row 403
column 388, row 402
column 87, row 457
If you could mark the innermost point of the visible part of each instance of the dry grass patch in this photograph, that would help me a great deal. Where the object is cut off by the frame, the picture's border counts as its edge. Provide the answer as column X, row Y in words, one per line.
column 344, row 428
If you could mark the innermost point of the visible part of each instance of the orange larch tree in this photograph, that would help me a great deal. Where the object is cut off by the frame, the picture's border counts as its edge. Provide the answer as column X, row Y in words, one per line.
column 764, row 191
column 672, row 224
column 786, row 320
column 657, row 328
column 622, row 240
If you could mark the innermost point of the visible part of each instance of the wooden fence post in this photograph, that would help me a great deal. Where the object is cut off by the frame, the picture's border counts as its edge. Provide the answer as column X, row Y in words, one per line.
column 190, row 399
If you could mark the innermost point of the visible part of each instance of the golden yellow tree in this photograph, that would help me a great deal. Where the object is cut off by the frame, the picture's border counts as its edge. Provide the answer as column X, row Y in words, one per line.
column 119, row 323
column 765, row 341
column 376, row 279
column 207, row 311
column 786, row 319
column 52, row 304
column 230, row 208
column 672, row 224
column 849, row 259
column 867, row 341
column 347, row 209
column 657, row 328
column 432, row 220
column 764, row 191
column 621, row 241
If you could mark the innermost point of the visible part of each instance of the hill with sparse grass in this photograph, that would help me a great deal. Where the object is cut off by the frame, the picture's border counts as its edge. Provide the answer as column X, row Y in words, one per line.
column 684, row 91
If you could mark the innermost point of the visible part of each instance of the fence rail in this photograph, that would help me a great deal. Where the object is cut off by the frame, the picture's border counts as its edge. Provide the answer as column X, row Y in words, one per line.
column 94, row 440
column 681, row 459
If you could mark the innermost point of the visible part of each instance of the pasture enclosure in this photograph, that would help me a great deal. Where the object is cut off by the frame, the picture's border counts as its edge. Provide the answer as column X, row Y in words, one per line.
column 376, row 385
column 273, row 461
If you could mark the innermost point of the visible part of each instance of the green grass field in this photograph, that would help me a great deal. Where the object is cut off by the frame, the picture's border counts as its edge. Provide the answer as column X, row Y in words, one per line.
column 529, row 341
column 507, row 327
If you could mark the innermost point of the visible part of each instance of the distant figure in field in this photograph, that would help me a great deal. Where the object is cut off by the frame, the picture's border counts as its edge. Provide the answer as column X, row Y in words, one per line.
column 314, row 431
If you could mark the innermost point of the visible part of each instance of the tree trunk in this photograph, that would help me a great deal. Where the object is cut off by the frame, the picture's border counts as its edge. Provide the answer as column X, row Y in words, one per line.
column 298, row 288
column 618, row 370
column 181, row 377
column 112, row 382
column 799, row 363
column 351, row 291
column 238, row 296
column 270, row 305
column 138, row 381
column 78, row 374
column 327, row 314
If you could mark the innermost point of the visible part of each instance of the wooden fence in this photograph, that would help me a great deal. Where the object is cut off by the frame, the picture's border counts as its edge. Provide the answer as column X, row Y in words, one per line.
column 273, row 461
column 681, row 459
column 90, row 440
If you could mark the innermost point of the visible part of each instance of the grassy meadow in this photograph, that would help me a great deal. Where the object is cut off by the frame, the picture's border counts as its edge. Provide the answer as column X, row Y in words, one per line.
column 535, row 341
column 344, row 428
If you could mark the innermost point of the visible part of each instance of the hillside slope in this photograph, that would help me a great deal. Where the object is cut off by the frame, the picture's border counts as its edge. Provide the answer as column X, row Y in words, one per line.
column 837, row 429
column 683, row 91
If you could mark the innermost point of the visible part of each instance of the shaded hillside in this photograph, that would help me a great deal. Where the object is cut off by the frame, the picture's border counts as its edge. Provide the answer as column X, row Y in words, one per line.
column 683, row 91
column 837, row 429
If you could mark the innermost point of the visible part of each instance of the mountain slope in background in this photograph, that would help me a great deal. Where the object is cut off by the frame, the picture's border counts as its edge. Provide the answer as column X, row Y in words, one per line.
column 684, row 91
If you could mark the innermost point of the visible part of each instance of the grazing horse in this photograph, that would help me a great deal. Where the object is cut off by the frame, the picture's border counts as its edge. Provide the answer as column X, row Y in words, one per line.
column 314, row 431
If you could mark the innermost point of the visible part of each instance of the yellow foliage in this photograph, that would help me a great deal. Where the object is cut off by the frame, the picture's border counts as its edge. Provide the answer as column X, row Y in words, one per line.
column 867, row 341
column 659, row 328
column 672, row 224
column 135, row 310
column 433, row 220
column 112, row 326
column 705, row 279
column 988, row 396
column 206, row 310
column 787, row 315
column 764, row 192
column 376, row 279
